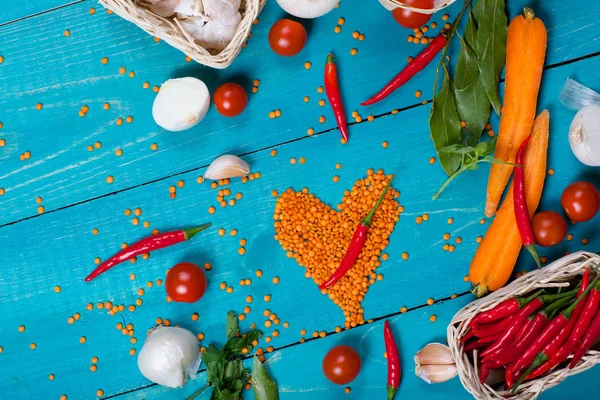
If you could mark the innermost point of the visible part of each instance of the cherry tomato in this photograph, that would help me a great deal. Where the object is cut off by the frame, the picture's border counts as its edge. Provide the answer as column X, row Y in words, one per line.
column 341, row 365
column 581, row 201
column 549, row 228
column 410, row 19
column 186, row 283
column 287, row 37
column 230, row 99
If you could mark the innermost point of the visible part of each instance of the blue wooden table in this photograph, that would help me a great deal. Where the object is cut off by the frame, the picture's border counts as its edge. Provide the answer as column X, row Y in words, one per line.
column 58, row 212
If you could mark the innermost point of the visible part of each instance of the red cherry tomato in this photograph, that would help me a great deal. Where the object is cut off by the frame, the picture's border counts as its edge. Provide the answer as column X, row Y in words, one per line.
column 549, row 228
column 410, row 19
column 581, row 201
column 186, row 283
column 287, row 37
column 341, row 365
column 230, row 99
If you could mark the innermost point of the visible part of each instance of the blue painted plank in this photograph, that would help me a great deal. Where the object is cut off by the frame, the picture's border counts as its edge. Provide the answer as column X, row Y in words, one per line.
column 67, row 74
column 13, row 11
column 59, row 248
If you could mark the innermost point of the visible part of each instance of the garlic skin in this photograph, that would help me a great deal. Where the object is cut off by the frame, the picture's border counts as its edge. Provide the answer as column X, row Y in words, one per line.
column 434, row 363
column 226, row 166
column 181, row 103
column 434, row 373
column 584, row 135
column 189, row 8
column 163, row 8
column 169, row 356
column 307, row 8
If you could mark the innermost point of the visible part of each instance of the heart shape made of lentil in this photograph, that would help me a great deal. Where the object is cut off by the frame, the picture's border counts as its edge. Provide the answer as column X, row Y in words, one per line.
column 317, row 236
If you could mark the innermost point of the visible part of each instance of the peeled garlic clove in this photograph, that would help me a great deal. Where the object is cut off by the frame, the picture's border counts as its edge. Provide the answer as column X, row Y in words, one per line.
column 226, row 166
column 436, row 373
column 181, row 103
column 434, row 354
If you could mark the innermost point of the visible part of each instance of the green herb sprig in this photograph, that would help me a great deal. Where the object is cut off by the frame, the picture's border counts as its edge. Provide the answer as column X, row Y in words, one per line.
column 473, row 92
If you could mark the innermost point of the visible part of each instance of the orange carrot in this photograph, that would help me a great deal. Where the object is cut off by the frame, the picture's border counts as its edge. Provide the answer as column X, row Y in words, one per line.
column 525, row 53
column 497, row 254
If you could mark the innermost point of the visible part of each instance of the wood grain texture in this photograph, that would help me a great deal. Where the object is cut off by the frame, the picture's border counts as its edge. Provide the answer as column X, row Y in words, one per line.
column 16, row 11
column 65, row 73
column 58, row 248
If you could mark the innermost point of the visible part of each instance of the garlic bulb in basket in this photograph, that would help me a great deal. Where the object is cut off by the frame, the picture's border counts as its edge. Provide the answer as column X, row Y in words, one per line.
column 169, row 356
column 212, row 23
column 164, row 8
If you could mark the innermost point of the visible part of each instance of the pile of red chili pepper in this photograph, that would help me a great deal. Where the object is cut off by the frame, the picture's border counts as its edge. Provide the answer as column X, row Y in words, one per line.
column 530, row 336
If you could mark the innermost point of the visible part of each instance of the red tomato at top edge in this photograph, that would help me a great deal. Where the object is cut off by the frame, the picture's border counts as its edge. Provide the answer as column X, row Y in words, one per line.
column 581, row 201
column 341, row 365
column 186, row 283
column 549, row 228
column 410, row 19
column 230, row 99
column 287, row 38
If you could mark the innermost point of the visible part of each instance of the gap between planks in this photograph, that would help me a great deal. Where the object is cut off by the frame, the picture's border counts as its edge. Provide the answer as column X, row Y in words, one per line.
column 304, row 137
column 41, row 13
column 311, row 339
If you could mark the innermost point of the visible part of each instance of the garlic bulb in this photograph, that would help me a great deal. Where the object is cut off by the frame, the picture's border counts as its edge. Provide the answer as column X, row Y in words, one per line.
column 169, row 356
column 226, row 166
column 307, row 8
column 434, row 363
column 212, row 23
column 584, row 135
column 181, row 103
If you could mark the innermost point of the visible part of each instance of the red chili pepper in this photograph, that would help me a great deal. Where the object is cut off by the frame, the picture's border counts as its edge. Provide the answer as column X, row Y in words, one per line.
column 481, row 342
column 145, row 246
column 521, row 210
column 414, row 67
column 393, row 359
column 565, row 343
column 591, row 335
column 492, row 329
column 504, row 309
column 534, row 356
column 518, row 321
column 356, row 245
column 586, row 324
column 332, row 88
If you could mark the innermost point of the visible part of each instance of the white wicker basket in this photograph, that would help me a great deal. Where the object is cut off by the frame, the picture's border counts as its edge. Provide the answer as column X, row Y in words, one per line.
column 437, row 6
column 170, row 31
column 554, row 275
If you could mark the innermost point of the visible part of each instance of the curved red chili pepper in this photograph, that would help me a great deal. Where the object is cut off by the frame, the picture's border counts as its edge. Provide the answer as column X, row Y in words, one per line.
column 591, row 334
column 528, row 335
column 492, row 329
column 414, row 67
column 520, row 204
column 147, row 245
column 393, row 359
column 332, row 88
column 356, row 244
column 506, row 308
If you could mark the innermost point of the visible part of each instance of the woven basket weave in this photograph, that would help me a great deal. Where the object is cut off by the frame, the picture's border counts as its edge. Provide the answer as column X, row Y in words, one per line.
column 437, row 6
column 556, row 274
column 170, row 31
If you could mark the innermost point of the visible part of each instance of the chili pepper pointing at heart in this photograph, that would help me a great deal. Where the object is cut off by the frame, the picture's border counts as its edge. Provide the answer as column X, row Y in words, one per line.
column 357, row 243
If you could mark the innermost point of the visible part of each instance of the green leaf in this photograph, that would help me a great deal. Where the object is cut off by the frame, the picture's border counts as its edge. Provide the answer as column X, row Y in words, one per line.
column 234, row 370
column 264, row 387
column 235, row 345
column 490, row 16
column 444, row 124
column 472, row 102
column 471, row 32
column 232, row 327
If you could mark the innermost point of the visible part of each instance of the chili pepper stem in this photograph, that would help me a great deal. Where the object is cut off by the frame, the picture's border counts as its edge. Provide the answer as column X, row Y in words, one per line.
column 191, row 232
column 539, row 360
column 391, row 392
column 367, row 220
column 531, row 249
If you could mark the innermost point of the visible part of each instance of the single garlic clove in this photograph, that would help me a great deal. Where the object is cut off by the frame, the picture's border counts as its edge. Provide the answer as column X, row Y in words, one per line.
column 434, row 354
column 226, row 166
column 433, row 373
column 181, row 103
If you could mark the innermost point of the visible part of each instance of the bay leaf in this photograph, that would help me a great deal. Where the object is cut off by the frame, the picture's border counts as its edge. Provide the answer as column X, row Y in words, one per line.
column 263, row 386
column 490, row 16
column 470, row 35
column 472, row 102
column 444, row 124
